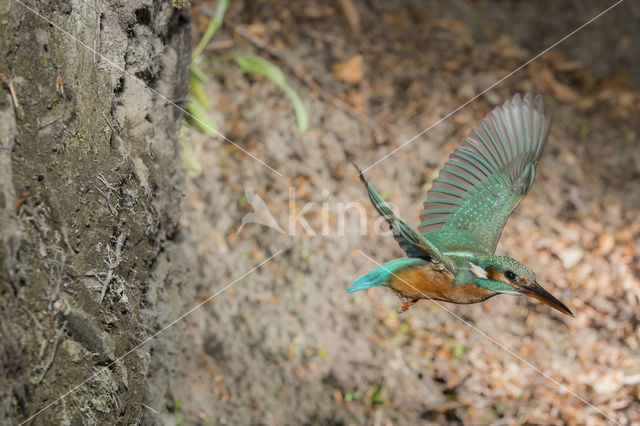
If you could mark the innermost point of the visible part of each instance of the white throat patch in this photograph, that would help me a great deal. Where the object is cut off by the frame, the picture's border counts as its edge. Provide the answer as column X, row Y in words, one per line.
column 478, row 271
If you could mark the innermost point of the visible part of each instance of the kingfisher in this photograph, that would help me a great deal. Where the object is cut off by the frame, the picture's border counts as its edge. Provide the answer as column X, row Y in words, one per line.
column 451, row 256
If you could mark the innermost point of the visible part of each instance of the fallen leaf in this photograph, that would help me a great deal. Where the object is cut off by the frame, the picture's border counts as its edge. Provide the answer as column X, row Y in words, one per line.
column 562, row 92
column 606, row 242
column 258, row 29
column 357, row 100
column 319, row 11
column 20, row 200
column 609, row 383
column 544, row 79
column 351, row 14
column 60, row 84
column 506, row 48
column 349, row 71
column 570, row 257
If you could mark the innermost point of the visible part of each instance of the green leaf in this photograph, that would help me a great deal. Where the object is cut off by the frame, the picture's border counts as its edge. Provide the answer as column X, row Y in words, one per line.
column 257, row 65
column 190, row 162
column 195, row 73
column 304, row 253
column 197, row 93
column 302, row 118
column 323, row 354
column 352, row 396
column 199, row 117
column 584, row 131
column 459, row 350
column 214, row 24
column 376, row 396
column 405, row 327
column 242, row 202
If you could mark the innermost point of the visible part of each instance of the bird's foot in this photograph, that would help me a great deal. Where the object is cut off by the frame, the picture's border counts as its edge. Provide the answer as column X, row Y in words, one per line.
column 406, row 303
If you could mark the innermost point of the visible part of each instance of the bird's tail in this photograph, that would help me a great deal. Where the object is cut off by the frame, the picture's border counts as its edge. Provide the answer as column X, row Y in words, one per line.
column 382, row 274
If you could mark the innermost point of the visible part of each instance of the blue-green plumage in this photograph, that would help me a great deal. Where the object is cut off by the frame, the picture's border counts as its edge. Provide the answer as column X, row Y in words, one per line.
column 382, row 274
column 485, row 179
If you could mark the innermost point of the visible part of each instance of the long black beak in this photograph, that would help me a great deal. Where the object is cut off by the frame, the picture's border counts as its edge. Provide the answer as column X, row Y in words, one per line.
column 536, row 291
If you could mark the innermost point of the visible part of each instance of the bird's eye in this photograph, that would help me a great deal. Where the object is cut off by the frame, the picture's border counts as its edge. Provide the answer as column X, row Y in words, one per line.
column 510, row 275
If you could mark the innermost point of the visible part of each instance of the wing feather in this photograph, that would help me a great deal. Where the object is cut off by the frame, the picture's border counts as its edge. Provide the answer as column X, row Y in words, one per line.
column 487, row 176
column 410, row 240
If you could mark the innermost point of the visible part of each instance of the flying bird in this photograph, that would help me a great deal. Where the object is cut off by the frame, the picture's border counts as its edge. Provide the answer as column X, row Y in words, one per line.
column 451, row 258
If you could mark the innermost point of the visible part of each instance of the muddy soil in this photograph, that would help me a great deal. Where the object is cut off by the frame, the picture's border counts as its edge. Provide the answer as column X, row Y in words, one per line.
column 286, row 344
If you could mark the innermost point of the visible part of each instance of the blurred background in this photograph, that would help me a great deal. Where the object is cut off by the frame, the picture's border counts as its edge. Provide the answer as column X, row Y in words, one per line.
column 351, row 80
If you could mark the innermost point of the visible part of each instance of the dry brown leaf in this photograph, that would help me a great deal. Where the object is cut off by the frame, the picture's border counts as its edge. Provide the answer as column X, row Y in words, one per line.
column 586, row 102
column 349, row 71
column 258, row 29
column 465, row 117
column 351, row 14
column 319, row 11
column 457, row 27
column 606, row 242
column 60, row 84
column 544, row 79
column 20, row 200
column 567, row 66
column 505, row 47
column 562, row 92
column 452, row 65
column 398, row 18
column 357, row 100
column 625, row 234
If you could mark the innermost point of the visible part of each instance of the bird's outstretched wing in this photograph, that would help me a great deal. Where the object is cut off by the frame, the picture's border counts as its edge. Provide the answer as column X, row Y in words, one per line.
column 411, row 241
column 486, row 177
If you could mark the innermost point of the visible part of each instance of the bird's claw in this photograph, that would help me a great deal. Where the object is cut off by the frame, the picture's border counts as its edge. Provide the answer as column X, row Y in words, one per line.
column 406, row 303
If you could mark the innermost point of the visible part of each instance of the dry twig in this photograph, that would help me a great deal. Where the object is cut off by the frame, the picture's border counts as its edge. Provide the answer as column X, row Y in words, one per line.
column 52, row 354
column 113, row 260
column 11, row 89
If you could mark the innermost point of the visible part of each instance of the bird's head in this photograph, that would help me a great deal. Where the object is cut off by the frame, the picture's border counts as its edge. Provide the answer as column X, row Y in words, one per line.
column 503, row 274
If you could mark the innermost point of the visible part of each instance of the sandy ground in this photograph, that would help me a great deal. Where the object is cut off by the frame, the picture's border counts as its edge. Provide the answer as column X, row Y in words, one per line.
column 287, row 345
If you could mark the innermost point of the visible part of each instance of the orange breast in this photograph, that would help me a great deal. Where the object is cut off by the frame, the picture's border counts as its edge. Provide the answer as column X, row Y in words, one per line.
column 424, row 282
